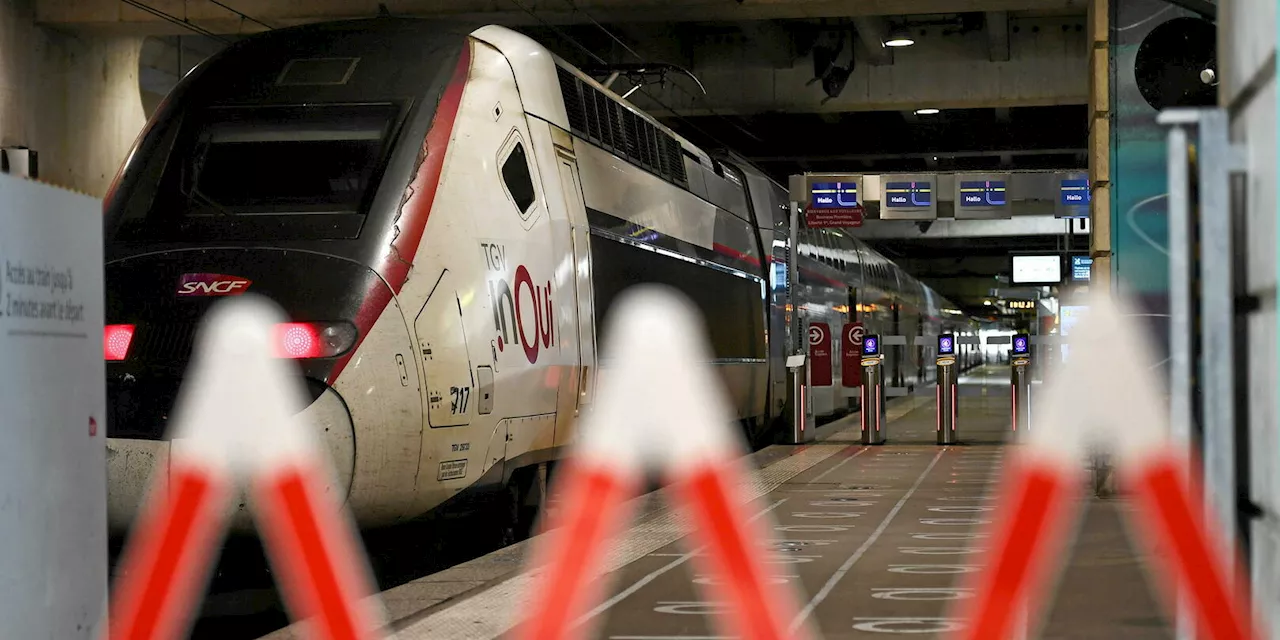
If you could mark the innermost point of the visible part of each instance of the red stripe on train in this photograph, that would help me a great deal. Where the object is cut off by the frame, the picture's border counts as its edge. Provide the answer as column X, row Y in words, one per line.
column 421, row 192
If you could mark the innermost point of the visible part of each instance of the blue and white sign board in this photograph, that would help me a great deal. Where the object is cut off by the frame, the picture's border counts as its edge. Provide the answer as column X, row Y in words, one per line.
column 53, row 564
column 1081, row 267
column 909, row 197
column 1075, row 195
column 983, row 196
column 829, row 200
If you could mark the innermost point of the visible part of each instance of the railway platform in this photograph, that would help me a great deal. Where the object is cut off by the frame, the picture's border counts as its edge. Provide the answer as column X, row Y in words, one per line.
column 874, row 537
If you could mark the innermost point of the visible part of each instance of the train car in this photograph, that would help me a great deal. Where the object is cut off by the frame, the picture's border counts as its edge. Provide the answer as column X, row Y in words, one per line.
column 446, row 215
column 843, row 280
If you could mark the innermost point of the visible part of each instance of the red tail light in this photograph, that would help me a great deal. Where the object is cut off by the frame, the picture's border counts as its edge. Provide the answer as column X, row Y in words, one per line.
column 300, row 340
column 115, row 341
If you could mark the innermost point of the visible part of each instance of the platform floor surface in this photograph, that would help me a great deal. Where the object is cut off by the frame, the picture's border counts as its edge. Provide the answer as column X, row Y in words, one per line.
column 874, row 539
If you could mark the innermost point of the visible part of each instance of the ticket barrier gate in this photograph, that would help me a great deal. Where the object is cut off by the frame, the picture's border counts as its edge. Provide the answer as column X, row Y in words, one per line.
column 803, row 425
column 947, row 389
column 1020, row 377
column 873, row 412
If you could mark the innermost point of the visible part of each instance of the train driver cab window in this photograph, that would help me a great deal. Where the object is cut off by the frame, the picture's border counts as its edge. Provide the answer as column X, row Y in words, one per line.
column 516, row 178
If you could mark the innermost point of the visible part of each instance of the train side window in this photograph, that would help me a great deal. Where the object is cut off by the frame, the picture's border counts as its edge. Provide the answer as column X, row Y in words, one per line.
column 517, row 179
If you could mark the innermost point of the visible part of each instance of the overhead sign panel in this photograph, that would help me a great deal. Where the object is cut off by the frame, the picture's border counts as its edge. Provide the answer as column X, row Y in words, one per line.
column 830, row 200
column 909, row 197
column 982, row 196
column 1074, row 195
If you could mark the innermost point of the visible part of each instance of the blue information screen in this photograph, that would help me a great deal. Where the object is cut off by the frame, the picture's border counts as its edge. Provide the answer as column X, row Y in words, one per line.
column 834, row 195
column 1080, row 267
column 908, row 194
column 871, row 346
column 1075, row 193
column 946, row 345
column 1021, row 345
column 982, row 193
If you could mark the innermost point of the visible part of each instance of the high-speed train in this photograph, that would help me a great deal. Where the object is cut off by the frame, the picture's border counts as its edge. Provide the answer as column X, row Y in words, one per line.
column 446, row 215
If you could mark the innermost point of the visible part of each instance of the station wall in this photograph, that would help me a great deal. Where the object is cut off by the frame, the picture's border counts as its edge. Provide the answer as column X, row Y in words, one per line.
column 1139, row 171
column 73, row 98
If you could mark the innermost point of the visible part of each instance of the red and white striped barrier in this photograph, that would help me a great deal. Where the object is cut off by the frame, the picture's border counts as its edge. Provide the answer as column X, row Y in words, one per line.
column 237, row 421
column 659, row 409
column 1106, row 395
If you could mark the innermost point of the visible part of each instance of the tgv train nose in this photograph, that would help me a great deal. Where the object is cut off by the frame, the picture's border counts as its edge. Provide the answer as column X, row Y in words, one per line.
column 135, row 467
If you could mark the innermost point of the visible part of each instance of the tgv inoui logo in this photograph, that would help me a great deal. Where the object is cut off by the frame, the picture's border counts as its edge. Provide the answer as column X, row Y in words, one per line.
column 212, row 284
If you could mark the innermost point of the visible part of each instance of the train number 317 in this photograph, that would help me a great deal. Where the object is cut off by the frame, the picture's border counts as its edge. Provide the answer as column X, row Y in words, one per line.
column 461, row 396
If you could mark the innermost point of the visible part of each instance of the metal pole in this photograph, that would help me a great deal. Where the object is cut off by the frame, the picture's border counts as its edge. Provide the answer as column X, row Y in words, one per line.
column 1217, row 311
column 793, row 277
column 1180, row 322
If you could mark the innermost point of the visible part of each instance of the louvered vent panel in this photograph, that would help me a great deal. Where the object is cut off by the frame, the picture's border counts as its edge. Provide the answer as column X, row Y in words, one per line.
column 598, row 118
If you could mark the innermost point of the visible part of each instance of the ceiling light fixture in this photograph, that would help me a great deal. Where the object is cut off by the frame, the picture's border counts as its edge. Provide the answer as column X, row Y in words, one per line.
column 928, row 111
column 899, row 38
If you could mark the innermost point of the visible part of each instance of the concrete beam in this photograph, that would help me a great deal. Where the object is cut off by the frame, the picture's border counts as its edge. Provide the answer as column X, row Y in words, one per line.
column 998, row 35
column 872, row 32
column 1047, row 67
column 116, row 16
column 952, row 228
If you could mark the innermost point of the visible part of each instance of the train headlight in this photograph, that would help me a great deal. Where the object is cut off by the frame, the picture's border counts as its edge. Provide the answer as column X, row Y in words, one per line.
column 300, row 340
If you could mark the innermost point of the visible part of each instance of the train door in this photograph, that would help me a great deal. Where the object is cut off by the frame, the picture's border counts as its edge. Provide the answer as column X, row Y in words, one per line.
column 582, row 377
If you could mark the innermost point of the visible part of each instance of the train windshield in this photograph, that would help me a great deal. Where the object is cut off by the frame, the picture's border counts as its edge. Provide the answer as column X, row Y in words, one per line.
column 299, row 172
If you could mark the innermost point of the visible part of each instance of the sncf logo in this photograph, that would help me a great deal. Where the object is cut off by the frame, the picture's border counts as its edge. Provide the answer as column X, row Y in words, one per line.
column 212, row 284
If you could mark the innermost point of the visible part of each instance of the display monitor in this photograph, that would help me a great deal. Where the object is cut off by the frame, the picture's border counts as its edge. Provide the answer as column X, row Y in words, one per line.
column 871, row 346
column 1021, row 345
column 1037, row 270
column 1075, row 192
column 946, row 345
column 908, row 194
column 834, row 195
column 982, row 193
column 1080, row 268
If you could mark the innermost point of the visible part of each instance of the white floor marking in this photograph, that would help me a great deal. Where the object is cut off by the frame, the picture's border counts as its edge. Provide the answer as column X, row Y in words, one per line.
column 875, row 535
column 493, row 612
column 837, row 465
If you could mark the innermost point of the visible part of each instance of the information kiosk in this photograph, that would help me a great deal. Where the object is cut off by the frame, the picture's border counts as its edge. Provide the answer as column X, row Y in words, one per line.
column 872, row 391
column 1020, row 367
column 947, row 388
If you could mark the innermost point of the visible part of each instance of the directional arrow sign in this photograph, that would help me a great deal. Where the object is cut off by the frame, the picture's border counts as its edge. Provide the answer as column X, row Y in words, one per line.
column 659, row 409
column 258, row 438
column 1105, row 395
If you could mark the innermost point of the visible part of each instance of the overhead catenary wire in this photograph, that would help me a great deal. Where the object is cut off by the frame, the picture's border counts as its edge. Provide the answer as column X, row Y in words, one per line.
column 242, row 14
column 573, row 5
column 602, row 61
column 176, row 20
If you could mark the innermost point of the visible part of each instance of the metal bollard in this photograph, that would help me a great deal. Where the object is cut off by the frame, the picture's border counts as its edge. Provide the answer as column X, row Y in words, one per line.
column 873, row 412
column 1020, row 378
column 947, row 389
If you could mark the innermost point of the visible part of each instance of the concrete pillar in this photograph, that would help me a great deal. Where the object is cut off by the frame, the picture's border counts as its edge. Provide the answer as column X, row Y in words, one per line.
column 1100, row 142
column 1100, row 178
column 73, row 98
column 1247, row 89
